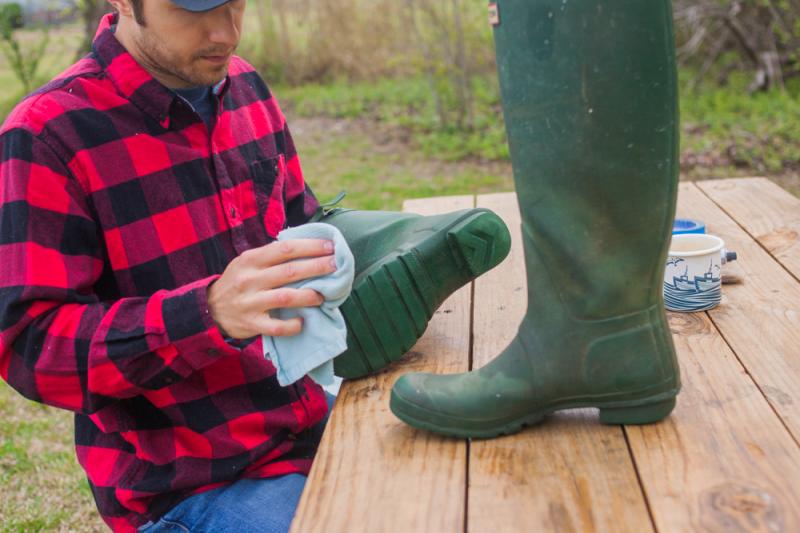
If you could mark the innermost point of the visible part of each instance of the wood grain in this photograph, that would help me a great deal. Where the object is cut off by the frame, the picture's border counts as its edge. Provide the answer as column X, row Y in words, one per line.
column 768, row 213
column 724, row 461
column 568, row 473
column 372, row 472
column 759, row 317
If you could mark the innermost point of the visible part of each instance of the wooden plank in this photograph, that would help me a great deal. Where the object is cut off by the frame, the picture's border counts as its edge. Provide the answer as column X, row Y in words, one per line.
column 759, row 317
column 568, row 473
column 723, row 461
column 768, row 213
column 374, row 473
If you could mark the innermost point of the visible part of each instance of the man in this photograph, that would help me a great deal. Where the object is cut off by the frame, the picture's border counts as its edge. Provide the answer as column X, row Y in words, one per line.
column 140, row 190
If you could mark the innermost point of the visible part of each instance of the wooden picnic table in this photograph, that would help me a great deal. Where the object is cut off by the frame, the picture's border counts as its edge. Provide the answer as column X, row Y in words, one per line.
column 727, row 459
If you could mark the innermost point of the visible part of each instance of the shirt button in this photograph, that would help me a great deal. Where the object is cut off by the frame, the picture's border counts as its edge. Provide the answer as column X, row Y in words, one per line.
column 233, row 212
column 213, row 352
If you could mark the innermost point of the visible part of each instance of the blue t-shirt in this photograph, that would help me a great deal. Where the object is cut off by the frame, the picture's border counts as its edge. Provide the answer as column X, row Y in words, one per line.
column 202, row 101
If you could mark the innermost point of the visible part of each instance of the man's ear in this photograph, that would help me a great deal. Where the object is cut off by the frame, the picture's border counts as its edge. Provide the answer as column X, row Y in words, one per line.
column 123, row 6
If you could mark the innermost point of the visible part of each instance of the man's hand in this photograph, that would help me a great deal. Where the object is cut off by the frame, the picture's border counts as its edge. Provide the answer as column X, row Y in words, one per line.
column 254, row 283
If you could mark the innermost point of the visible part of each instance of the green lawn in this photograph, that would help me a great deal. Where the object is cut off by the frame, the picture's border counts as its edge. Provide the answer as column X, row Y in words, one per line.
column 725, row 131
column 42, row 488
column 378, row 168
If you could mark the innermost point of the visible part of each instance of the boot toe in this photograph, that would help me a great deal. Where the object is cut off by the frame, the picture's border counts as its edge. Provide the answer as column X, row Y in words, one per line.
column 480, row 404
column 413, row 401
column 445, row 404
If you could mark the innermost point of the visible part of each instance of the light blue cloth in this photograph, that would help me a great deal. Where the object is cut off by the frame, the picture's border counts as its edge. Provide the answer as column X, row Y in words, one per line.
column 324, row 334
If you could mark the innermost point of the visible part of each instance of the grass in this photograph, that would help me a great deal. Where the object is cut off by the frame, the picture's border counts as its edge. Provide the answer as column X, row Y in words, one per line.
column 42, row 488
column 408, row 103
column 759, row 133
column 725, row 131
column 378, row 170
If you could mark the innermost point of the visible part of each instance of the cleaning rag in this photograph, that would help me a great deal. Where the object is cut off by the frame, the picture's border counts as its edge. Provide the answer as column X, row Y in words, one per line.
column 324, row 334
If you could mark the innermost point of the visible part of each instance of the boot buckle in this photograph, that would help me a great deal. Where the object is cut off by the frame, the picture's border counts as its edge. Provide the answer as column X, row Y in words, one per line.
column 325, row 209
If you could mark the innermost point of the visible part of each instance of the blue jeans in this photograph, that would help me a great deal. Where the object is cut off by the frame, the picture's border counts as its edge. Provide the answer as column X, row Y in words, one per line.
column 247, row 505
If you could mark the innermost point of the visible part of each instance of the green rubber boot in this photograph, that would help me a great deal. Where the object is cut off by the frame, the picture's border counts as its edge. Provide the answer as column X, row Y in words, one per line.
column 406, row 267
column 590, row 101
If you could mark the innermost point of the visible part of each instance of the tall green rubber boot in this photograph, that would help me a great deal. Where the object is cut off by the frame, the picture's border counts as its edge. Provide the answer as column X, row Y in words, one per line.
column 406, row 265
column 590, row 102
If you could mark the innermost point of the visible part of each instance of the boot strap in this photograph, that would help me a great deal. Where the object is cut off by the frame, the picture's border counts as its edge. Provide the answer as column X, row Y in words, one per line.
column 325, row 209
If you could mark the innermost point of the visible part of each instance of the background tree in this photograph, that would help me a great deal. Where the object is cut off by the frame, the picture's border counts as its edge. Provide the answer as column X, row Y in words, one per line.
column 23, row 63
column 721, row 36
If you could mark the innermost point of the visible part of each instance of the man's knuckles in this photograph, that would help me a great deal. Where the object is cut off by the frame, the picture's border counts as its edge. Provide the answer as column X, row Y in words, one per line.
column 281, row 298
column 244, row 280
column 281, row 328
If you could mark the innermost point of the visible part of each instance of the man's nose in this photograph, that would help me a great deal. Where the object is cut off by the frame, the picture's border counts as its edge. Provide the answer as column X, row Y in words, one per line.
column 223, row 28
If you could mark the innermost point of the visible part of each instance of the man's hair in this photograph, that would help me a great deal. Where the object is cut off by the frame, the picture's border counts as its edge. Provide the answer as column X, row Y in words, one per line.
column 137, row 11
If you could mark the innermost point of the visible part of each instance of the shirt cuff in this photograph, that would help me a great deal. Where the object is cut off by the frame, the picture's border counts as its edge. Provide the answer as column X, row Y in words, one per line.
column 191, row 329
column 240, row 344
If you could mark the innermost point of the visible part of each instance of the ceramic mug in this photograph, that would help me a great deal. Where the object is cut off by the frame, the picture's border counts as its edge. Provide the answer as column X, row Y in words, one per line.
column 692, row 280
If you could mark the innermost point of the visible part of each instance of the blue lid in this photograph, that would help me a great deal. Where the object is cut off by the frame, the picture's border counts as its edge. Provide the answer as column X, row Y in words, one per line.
column 687, row 225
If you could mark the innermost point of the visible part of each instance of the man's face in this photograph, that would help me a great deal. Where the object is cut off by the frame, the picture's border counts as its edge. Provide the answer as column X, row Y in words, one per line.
column 186, row 49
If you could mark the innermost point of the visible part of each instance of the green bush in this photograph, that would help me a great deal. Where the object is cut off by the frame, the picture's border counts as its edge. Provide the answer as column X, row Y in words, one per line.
column 10, row 18
column 23, row 63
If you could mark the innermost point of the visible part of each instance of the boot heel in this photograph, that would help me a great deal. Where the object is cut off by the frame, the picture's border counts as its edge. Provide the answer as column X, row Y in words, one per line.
column 482, row 241
column 642, row 414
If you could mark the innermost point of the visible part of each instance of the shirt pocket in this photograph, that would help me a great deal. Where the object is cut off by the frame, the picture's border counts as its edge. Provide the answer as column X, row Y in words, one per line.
column 269, row 181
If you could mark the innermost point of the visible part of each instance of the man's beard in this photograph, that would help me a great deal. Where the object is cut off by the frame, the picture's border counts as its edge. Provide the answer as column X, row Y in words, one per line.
column 159, row 61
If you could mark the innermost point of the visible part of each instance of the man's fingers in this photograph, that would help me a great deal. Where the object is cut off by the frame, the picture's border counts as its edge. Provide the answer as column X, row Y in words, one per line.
column 272, row 327
column 282, row 251
column 285, row 298
column 299, row 269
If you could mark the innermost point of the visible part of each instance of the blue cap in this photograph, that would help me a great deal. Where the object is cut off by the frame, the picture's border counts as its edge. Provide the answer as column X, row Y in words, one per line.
column 199, row 5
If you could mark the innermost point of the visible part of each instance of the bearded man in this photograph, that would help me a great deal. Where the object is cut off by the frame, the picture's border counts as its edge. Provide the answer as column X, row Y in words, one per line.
column 142, row 190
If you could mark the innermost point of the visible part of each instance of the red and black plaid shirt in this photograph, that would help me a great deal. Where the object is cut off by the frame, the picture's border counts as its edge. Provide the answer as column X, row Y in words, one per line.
column 118, row 208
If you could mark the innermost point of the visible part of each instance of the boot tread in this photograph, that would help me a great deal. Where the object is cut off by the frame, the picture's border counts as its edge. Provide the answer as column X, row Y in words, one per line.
column 392, row 302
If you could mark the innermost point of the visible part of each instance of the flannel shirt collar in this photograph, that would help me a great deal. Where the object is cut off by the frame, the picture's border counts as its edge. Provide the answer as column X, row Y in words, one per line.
column 132, row 80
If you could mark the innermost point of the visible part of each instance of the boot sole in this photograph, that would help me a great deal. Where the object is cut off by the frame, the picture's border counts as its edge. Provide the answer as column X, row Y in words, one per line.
column 389, row 307
column 647, row 411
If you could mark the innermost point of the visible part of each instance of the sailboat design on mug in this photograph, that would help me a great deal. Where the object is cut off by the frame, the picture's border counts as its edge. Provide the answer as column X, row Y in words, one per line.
column 682, row 283
column 707, row 281
column 692, row 277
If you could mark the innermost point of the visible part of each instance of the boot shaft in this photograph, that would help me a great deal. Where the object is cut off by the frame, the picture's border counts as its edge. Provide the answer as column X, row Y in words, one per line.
column 590, row 102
